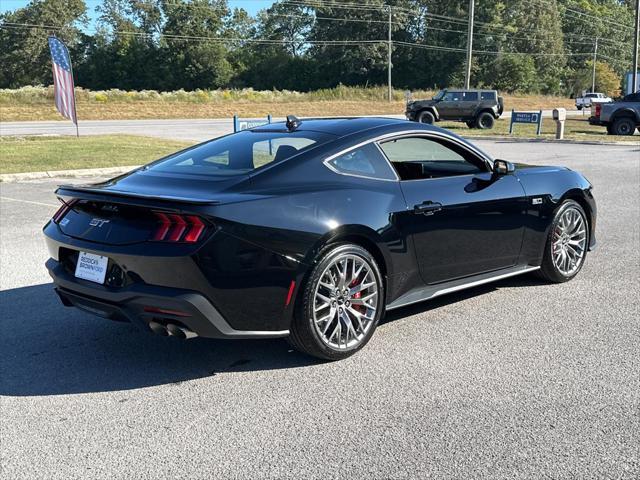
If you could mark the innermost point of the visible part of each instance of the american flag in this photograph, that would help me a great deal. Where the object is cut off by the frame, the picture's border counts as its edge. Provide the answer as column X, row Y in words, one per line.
column 63, row 79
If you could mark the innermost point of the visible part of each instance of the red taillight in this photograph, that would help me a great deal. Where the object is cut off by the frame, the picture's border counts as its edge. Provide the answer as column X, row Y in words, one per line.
column 172, row 227
column 63, row 210
column 178, row 226
column 163, row 228
column 197, row 227
column 598, row 109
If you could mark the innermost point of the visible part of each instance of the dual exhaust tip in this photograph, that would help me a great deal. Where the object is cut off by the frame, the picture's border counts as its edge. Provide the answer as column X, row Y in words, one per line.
column 171, row 330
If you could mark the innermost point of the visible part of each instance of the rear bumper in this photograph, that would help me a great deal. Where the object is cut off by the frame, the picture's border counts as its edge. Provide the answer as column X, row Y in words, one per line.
column 142, row 304
column 597, row 121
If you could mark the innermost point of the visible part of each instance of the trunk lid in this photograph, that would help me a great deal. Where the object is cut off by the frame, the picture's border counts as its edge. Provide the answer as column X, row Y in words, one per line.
column 124, row 210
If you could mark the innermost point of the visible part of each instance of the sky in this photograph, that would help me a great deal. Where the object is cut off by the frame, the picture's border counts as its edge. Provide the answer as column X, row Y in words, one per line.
column 251, row 6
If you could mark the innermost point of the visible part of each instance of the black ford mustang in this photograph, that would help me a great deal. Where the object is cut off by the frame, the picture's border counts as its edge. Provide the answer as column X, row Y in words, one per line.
column 311, row 230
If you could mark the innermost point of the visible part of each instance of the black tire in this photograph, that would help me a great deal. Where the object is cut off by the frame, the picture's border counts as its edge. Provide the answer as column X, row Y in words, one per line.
column 426, row 117
column 579, row 107
column 624, row 126
column 471, row 124
column 548, row 269
column 304, row 336
column 485, row 121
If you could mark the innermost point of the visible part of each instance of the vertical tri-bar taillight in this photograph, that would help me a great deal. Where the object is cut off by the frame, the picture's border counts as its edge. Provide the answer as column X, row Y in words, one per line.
column 63, row 210
column 172, row 227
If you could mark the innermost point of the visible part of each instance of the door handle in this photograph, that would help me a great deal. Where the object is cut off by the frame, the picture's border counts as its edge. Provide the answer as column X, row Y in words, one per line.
column 427, row 208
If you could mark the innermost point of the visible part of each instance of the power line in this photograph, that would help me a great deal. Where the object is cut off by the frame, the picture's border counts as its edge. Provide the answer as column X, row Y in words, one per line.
column 583, row 14
column 406, row 12
column 200, row 37
column 14, row 25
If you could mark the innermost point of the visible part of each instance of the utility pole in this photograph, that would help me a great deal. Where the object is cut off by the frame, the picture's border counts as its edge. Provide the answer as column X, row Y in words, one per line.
column 467, row 78
column 635, row 49
column 595, row 56
column 389, row 58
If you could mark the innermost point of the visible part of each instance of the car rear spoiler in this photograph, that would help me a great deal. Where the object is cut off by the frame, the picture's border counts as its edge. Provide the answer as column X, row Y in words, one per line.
column 139, row 199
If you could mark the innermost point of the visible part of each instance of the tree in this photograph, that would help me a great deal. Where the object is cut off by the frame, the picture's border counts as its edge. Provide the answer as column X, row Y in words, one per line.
column 512, row 73
column 24, row 51
column 607, row 80
column 285, row 63
column 193, row 60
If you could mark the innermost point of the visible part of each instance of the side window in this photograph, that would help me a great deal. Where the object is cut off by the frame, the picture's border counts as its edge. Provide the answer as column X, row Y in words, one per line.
column 470, row 96
column 453, row 97
column 487, row 96
column 365, row 161
column 416, row 158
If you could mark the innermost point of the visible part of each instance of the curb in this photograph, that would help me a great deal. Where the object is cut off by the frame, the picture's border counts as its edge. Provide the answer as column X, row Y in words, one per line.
column 85, row 172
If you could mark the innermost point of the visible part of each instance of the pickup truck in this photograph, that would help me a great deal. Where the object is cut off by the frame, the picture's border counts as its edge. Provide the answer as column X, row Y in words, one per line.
column 620, row 118
column 588, row 99
column 477, row 108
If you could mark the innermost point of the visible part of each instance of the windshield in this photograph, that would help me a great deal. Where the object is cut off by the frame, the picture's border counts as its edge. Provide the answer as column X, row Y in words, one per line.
column 240, row 153
column 439, row 95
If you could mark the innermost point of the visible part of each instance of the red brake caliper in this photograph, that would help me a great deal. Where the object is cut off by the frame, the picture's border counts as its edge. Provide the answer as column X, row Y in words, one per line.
column 356, row 295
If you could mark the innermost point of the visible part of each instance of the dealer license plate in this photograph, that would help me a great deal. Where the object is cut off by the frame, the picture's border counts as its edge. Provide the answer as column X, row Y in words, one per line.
column 91, row 267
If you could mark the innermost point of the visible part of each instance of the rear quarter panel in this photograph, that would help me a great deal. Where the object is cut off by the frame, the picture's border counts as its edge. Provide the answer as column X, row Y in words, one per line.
column 295, row 211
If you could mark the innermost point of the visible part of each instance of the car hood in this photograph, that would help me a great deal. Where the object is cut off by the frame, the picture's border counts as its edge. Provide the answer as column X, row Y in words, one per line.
column 423, row 103
column 525, row 168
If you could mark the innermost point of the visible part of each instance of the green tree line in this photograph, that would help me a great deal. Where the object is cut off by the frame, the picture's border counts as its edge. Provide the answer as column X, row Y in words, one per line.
column 519, row 45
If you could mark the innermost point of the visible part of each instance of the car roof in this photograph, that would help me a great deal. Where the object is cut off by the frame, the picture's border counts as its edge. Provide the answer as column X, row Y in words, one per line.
column 340, row 127
column 344, row 127
column 452, row 89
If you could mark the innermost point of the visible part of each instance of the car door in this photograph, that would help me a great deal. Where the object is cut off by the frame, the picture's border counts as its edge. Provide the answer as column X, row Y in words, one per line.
column 449, row 107
column 463, row 219
column 468, row 104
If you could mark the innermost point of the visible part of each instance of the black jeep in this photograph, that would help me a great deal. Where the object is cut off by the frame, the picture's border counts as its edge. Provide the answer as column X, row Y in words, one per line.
column 477, row 108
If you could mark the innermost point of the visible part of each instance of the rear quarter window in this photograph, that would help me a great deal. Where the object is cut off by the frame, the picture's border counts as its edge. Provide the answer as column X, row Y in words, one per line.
column 365, row 161
column 488, row 96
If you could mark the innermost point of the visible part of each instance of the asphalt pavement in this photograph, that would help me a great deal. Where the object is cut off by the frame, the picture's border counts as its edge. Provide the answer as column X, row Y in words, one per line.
column 519, row 379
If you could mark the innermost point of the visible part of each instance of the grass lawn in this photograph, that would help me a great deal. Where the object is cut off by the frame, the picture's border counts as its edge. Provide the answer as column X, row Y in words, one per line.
column 36, row 103
column 36, row 154
column 574, row 129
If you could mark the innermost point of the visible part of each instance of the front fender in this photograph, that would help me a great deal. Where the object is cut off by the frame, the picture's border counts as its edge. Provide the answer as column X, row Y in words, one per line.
column 546, row 188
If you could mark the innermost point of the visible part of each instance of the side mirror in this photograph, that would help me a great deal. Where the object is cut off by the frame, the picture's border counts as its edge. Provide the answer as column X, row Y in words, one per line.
column 502, row 167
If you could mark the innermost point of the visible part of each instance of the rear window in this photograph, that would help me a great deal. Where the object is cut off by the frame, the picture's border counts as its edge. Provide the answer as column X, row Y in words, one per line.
column 240, row 153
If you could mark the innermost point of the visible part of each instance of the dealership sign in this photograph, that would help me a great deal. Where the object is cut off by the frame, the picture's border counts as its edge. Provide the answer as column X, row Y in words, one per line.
column 240, row 124
column 526, row 117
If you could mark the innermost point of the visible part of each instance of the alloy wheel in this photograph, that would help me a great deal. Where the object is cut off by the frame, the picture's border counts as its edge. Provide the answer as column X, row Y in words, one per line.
column 569, row 241
column 345, row 302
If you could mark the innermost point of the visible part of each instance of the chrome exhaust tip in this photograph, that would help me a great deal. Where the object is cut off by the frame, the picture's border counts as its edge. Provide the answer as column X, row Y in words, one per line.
column 180, row 332
column 158, row 329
